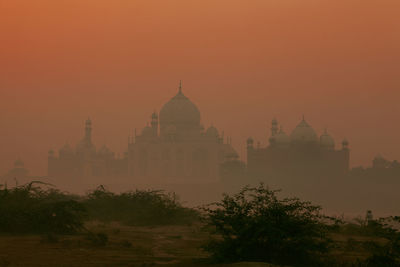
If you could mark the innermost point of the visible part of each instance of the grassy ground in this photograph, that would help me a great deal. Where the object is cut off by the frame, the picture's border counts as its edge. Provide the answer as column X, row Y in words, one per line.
column 130, row 246
column 126, row 246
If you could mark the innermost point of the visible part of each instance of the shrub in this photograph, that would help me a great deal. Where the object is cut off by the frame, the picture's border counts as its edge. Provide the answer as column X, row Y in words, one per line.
column 254, row 225
column 387, row 254
column 138, row 207
column 31, row 209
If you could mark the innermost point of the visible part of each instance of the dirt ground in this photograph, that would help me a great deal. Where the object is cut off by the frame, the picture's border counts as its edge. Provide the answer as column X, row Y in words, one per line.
column 132, row 246
column 126, row 246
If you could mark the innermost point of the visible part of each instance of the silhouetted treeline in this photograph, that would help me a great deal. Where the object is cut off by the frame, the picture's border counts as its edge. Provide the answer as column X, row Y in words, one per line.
column 33, row 208
column 138, row 207
column 252, row 225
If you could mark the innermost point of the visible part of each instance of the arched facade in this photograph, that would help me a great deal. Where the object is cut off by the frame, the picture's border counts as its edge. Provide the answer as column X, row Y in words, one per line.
column 173, row 147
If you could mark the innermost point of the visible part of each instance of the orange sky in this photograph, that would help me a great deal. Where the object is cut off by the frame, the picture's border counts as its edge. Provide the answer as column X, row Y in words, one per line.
column 242, row 62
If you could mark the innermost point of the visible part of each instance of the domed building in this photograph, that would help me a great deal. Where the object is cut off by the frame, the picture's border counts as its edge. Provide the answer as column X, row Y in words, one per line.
column 19, row 172
column 83, row 162
column 326, row 141
column 172, row 148
column 176, row 148
column 301, row 153
column 182, row 114
column 18, row 175
column 303, row 134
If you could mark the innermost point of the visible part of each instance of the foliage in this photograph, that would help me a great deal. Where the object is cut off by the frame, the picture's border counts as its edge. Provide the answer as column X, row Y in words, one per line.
column 378, row 240
column 255, row 225
column 31, row 209
column 388, row 253
column 138, row 207
column 38, row 208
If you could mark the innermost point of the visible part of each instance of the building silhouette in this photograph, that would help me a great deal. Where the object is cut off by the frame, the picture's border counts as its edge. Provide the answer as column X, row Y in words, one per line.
column 381, row 170
column 300, row 154
column 173, row 148
column 18, row 173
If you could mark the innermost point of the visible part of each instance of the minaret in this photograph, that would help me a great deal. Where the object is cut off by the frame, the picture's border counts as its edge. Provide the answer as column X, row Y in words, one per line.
column 274, row 127
column 180, row 87
column 346, row 156
column 88, row 131
column 154, row 123
column 345, row 144
column 250, row 143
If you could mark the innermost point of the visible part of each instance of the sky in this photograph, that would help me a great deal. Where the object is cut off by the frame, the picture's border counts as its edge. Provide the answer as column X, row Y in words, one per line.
column 241, row 62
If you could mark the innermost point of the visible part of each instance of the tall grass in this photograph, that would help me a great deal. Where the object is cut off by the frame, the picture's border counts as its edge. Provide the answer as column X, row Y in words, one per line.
column 31, row 209
column 140, row 207
column 38, row 208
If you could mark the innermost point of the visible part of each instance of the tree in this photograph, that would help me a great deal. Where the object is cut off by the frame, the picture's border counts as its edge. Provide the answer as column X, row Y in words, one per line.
column 255, row 225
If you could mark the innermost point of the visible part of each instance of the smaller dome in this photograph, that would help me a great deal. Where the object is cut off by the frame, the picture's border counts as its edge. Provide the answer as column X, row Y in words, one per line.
column 51, row 153
column 250, row 141
column 212, row 131
column 104, row 150
column 326, row 140
column 19, row 163
column 154, row 116
column 230, row 153
column 147, row 131
column 282, row 138
column 380, row 162
column 66, row 149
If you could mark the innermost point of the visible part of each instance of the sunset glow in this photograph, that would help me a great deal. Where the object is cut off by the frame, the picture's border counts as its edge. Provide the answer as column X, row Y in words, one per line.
column 242, row 63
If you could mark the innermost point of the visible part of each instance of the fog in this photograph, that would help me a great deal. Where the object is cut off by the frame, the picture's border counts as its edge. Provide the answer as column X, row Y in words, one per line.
column 241, row 65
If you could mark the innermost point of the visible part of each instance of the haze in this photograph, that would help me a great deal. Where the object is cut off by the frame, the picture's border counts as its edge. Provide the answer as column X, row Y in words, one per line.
column 241, row 62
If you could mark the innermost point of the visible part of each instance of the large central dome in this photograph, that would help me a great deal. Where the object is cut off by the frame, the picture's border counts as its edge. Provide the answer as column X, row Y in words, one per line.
column 304, row 133
column 179, row 112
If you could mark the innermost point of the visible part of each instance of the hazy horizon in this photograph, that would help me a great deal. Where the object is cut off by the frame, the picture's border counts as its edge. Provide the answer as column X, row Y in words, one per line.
column 242, row 64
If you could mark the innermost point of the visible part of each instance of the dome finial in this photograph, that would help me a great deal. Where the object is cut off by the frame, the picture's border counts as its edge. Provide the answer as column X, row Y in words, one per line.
column 180, row 86
column 303, row 118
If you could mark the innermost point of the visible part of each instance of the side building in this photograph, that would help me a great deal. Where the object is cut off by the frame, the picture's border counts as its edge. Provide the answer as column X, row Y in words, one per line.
column 300, row 154
column 85, row 161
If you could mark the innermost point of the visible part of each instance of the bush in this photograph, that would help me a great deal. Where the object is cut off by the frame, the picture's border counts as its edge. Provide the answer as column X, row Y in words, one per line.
column 137, row 207
column 31, row 209
column 387, row 254
column 254, row 225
